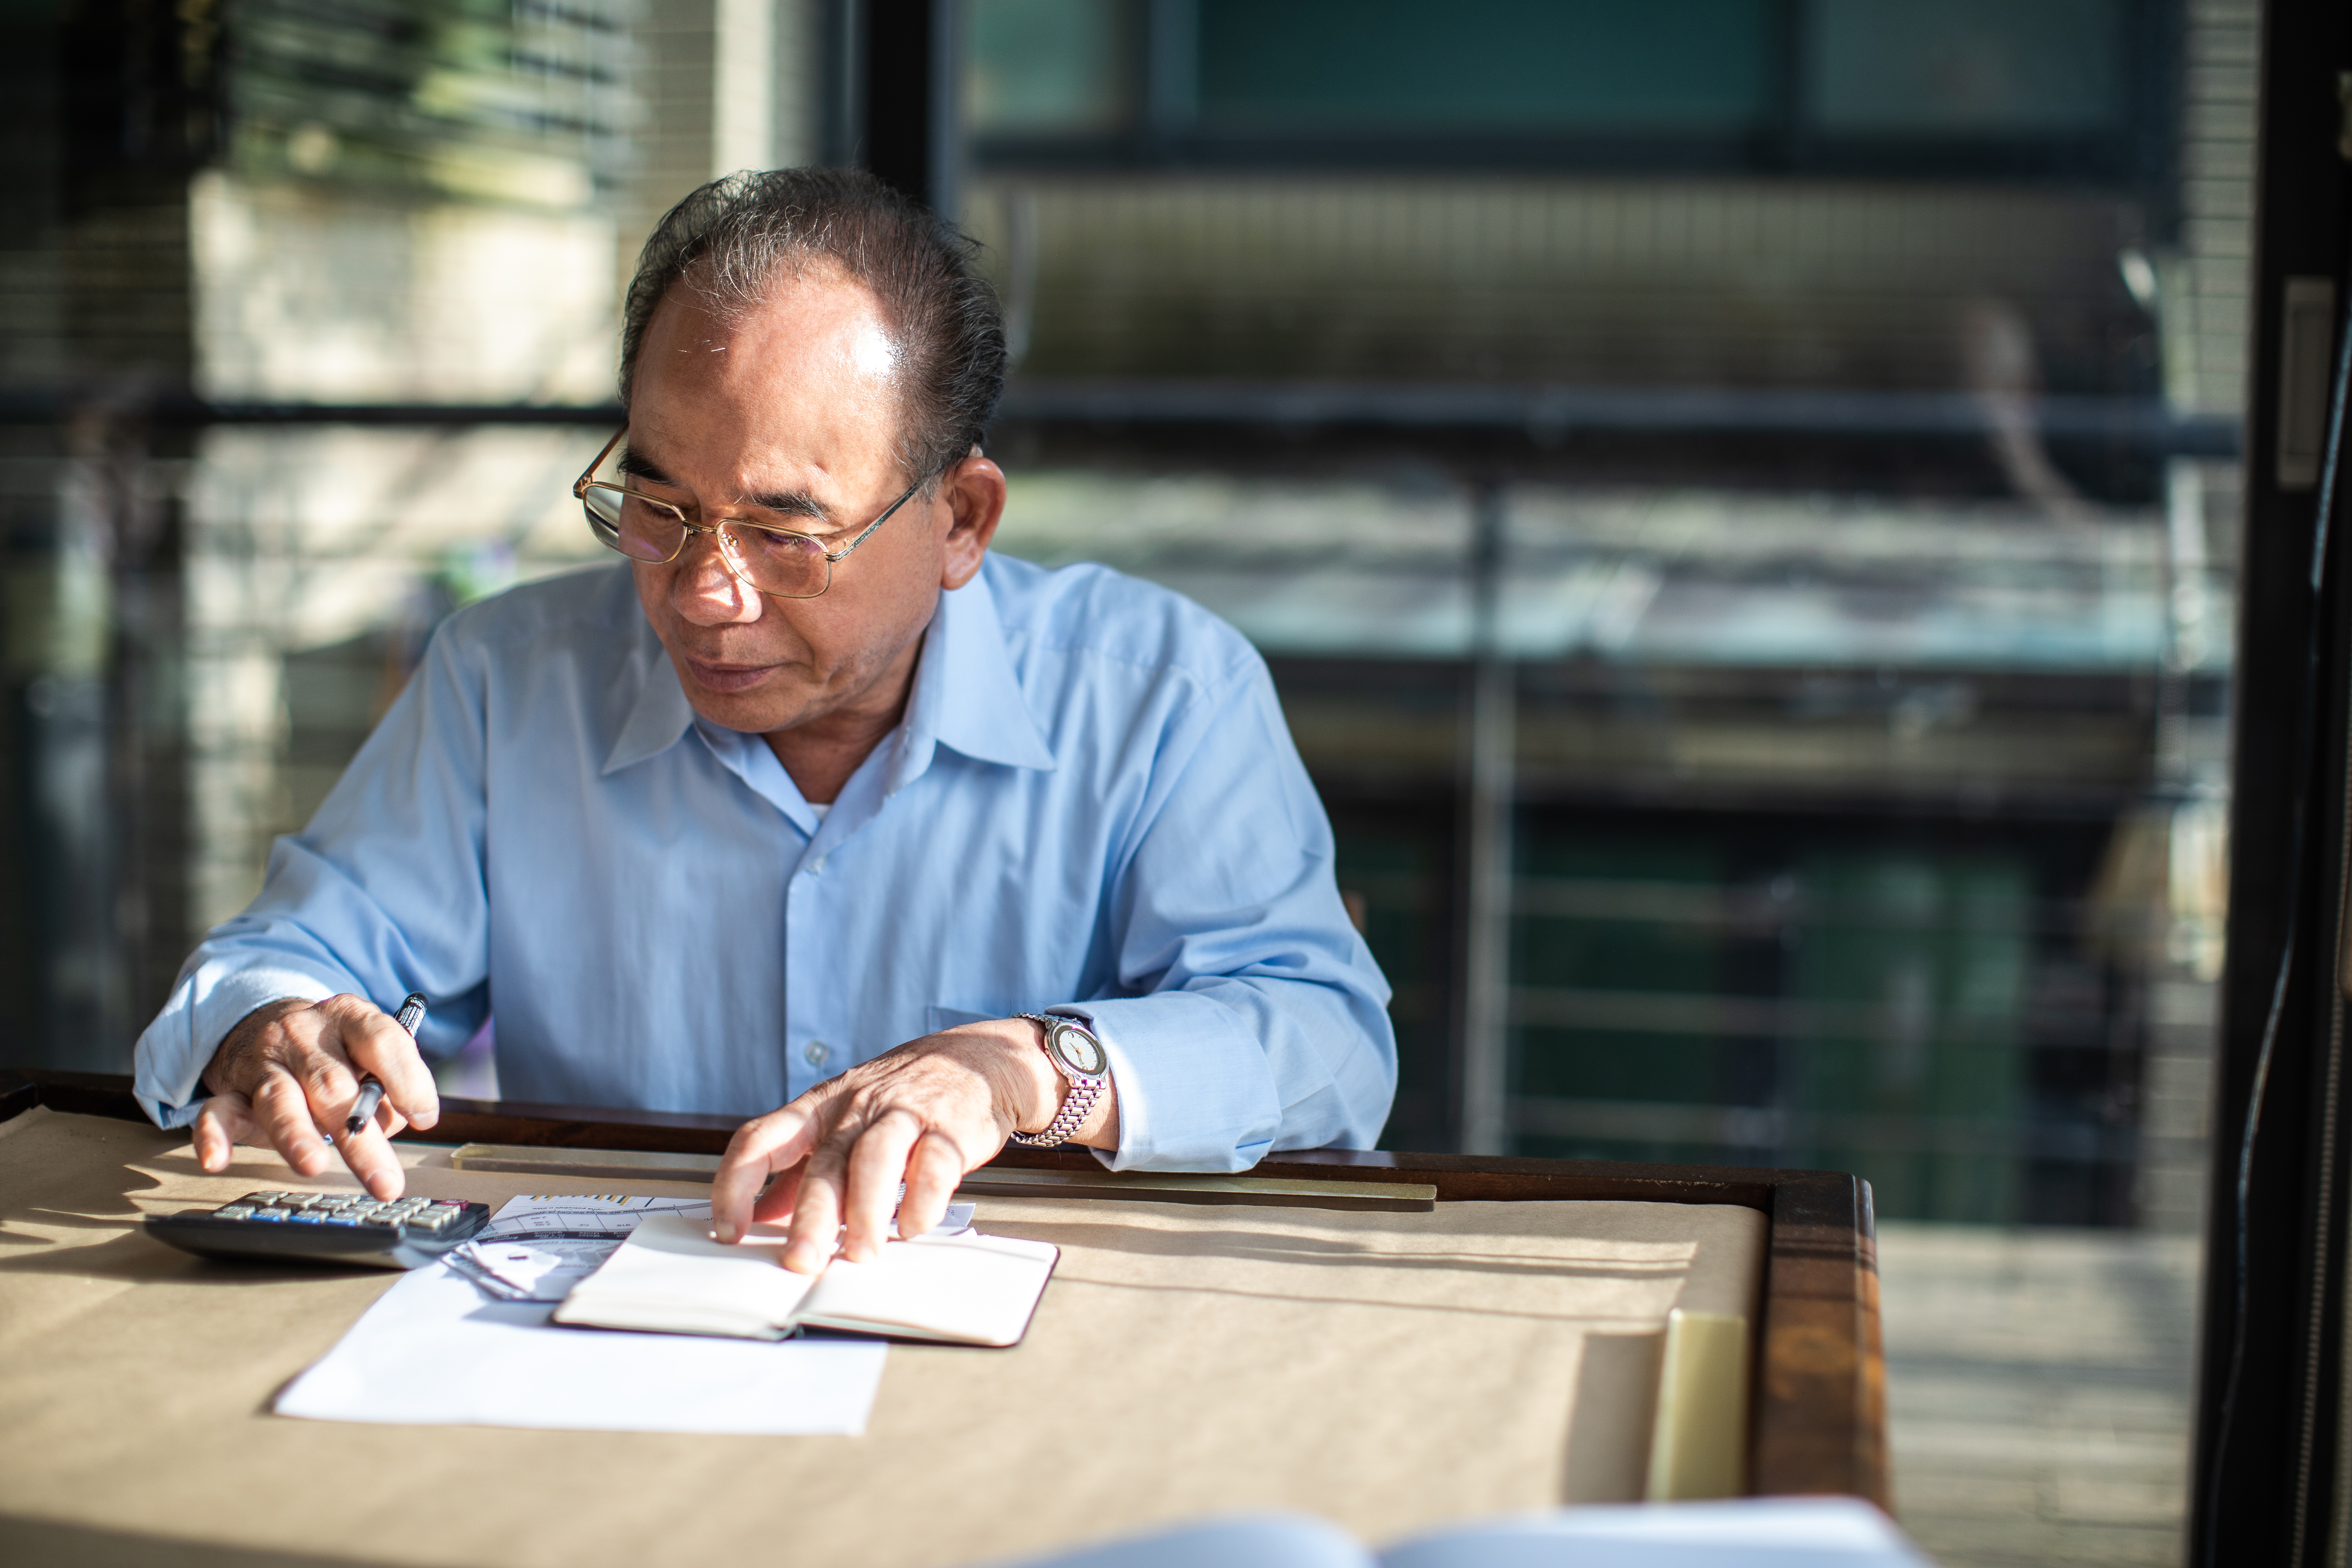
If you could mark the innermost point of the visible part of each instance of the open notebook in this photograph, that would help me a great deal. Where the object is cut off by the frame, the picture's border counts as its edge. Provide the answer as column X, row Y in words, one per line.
column 1744, row 1532
column 671, row 1278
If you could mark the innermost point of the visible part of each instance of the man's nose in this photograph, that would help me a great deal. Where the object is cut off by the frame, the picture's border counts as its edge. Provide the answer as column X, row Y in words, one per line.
column 705, row 591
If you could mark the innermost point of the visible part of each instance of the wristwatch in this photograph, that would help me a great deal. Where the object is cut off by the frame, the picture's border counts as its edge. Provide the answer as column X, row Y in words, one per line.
column 1072, row 1047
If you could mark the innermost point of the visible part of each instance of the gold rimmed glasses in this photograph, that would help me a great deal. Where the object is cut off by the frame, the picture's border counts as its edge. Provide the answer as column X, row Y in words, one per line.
column 781, row 562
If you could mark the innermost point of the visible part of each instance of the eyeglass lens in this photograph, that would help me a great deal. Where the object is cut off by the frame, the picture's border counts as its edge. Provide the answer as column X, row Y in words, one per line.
column 789, row 565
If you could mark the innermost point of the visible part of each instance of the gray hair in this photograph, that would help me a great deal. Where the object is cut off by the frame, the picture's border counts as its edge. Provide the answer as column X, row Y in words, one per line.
column 731, row 240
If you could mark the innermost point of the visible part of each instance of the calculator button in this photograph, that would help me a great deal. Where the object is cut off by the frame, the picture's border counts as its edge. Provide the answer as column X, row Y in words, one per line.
column 278, row 1217
column 259, row 1199
column 234, row 1211
column 308, row 1216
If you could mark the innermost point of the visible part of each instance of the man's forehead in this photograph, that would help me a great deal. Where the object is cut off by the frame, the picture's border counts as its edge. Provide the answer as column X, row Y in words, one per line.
column 799, row 385
column 817, row 305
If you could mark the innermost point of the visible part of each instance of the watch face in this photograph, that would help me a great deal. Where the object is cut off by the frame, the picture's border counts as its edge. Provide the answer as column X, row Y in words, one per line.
column 1079, row 1051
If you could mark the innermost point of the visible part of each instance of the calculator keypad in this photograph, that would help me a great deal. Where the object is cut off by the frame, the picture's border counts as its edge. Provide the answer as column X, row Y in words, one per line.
column 430, row 1216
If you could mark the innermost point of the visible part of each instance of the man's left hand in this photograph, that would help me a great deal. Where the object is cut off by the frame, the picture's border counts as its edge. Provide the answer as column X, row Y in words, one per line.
column 924, row 1113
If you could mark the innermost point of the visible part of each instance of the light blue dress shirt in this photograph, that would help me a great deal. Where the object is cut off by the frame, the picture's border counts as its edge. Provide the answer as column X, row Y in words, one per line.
column 1092, row 803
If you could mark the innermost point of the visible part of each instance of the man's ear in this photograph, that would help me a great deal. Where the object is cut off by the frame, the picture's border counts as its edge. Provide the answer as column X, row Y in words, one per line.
column 975, row 491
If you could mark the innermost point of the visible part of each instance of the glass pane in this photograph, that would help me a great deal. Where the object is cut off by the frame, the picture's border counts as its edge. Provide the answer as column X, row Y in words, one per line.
column 1047, row 68
column 1396, row 65
column 1968, row 68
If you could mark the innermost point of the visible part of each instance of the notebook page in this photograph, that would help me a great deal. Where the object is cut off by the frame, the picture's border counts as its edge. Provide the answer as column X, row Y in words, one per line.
column 968, row 1290
column 670, row 1277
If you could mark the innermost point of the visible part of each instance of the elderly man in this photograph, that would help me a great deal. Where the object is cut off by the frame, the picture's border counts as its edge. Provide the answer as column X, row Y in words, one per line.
column 813, row 801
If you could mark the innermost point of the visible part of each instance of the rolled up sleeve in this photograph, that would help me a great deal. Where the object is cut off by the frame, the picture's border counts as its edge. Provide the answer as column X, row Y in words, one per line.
column 1250, row 1016
column 382, row 894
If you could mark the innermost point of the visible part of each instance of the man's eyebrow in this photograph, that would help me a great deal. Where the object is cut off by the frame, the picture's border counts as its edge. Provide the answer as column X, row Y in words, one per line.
column 639, row 466
column 790, row 503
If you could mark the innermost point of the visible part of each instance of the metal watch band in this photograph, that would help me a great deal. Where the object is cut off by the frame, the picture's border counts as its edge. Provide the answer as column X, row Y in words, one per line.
column 1085, row 1088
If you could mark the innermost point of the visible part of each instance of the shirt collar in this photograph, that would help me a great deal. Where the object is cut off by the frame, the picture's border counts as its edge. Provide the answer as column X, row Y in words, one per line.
column 966, row 696
column 658, row 712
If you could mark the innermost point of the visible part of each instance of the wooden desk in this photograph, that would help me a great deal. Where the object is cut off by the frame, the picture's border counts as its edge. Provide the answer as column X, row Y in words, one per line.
column 136, row 1451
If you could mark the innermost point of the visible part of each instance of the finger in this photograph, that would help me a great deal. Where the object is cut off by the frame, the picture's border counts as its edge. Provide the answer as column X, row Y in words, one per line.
column 329, row 1085
column 371, row 1159
column 816, row 1217
column 776, row 1203
column 286, row 1117
column 761, row 1146
column 380, row 1046
column 877, row 1163
column 932, row 1171
column 222, row 1122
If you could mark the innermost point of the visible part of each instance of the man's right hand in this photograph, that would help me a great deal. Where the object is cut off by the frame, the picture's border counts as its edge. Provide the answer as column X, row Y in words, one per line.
column 287, row 1076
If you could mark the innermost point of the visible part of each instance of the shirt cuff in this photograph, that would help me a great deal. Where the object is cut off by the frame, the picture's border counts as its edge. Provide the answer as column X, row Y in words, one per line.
column 1195, row 1091
column 179, row 1045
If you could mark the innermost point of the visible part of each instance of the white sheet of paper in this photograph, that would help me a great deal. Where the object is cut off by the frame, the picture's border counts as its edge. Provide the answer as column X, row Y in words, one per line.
column 582, row 1217
column 432, row 1351
column 541, row 1270
column 536, row 1248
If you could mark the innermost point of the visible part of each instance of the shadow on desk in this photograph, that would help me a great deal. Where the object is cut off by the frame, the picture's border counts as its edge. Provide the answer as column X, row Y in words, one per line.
column 30, row 1540
column 52, row 1204
column 137, row 1258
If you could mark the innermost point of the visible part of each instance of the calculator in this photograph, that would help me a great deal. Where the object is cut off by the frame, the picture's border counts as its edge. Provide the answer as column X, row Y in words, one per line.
column 349, row 1229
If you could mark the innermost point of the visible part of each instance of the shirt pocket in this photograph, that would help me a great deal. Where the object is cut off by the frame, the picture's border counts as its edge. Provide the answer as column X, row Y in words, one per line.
column 938, row 1019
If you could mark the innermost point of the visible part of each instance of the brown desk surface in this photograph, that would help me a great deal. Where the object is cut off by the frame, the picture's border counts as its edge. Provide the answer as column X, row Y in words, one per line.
column 1387, row 1371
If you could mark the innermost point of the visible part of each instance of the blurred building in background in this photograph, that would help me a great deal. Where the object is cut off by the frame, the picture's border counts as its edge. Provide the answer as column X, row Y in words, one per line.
column 1739, row 496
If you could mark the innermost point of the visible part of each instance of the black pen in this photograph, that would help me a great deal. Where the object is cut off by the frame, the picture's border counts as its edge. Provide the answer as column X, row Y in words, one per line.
column 412, row 1013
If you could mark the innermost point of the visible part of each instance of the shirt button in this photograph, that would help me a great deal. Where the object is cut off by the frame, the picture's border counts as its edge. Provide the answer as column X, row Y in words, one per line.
column 816, row 1053
column 816, row 867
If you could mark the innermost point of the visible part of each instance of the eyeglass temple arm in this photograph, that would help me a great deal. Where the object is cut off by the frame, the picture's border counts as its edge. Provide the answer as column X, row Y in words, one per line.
column 580, row 485
column 868, row 533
